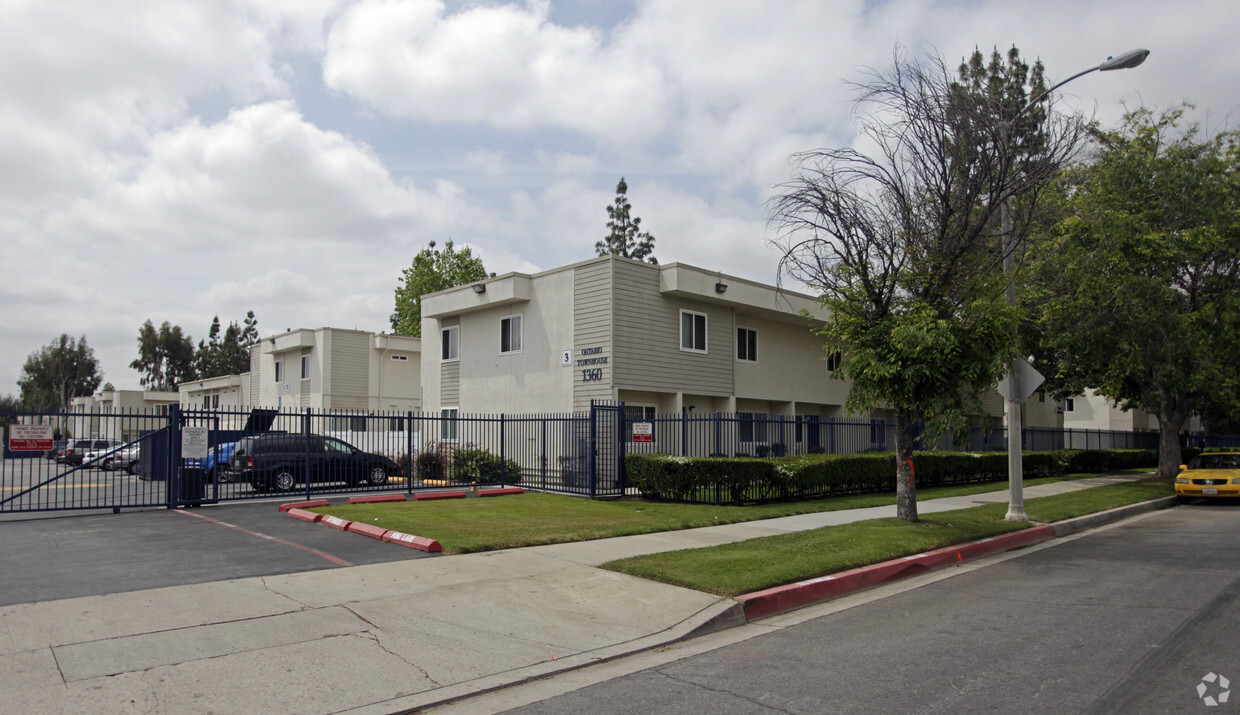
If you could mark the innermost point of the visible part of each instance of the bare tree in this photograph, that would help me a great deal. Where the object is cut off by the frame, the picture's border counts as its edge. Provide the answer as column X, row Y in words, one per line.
column 902, row 239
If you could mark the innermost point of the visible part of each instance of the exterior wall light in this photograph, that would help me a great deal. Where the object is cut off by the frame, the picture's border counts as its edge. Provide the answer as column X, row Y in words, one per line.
column 721, row 287
column 480, row 287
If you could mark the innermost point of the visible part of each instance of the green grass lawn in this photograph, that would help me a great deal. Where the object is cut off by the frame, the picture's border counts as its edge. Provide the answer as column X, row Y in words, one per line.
column 756, row 564
column 485, row 524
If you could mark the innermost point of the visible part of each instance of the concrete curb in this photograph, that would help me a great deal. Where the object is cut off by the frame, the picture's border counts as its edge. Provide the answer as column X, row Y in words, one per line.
column 781, row 599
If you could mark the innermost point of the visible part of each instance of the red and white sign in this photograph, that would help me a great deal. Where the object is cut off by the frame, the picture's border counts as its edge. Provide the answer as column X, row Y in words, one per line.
column 30, row 438
column 643, row 432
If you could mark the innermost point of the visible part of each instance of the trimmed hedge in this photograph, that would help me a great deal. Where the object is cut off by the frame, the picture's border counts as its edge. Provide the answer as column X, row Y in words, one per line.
column 738, row 480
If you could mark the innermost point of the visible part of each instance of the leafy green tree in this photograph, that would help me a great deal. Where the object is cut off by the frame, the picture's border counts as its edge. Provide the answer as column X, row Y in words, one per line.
column 903, row 246
column 165, row 356
column 432, row 270
column 58, row 372
column 9, row 406
column 625, row 237
column 228, row 354
column 1137, row 294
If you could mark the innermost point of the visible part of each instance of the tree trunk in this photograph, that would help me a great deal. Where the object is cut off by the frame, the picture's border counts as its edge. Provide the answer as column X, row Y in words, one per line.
column 1171, row 416
column 906, row 490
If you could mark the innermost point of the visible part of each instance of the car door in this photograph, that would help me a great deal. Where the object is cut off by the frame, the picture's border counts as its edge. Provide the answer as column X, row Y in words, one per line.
column 343, row 462
column 319, row 467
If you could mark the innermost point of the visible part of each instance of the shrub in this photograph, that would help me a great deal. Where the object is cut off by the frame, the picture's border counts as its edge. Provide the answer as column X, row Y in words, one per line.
column 432, row 462
column 479, row 465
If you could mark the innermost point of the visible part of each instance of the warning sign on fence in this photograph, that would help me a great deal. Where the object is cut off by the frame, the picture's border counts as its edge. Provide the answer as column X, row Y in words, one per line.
column 30, row 438
column 643, row 432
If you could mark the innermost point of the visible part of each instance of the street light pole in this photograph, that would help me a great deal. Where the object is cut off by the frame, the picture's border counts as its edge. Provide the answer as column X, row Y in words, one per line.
column 1015, row 396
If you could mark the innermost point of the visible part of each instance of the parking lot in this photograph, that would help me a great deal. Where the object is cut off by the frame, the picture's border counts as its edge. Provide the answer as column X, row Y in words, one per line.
column 64, row 555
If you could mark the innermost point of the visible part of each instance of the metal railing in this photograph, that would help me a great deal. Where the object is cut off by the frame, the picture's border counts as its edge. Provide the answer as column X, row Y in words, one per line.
column 577, row 453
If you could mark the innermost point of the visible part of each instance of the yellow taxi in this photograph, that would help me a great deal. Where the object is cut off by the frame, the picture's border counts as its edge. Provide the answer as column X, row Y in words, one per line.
column 1212, row 474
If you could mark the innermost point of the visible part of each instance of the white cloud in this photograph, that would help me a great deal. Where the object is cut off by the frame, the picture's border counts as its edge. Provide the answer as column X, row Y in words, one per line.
column 505, row 66
column 164, row 159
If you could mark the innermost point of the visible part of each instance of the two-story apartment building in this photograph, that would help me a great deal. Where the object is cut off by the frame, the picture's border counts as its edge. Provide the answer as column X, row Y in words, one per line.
column 324, row 369
column 662, row 339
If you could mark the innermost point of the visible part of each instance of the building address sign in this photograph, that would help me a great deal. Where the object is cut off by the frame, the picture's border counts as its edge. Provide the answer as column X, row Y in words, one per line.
column 586, row 359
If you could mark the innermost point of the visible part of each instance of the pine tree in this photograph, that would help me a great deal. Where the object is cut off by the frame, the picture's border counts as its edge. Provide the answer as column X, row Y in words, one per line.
column 626, row 237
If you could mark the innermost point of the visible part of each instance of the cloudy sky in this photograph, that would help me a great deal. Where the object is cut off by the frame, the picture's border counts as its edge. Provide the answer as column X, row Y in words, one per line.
column 173, row 160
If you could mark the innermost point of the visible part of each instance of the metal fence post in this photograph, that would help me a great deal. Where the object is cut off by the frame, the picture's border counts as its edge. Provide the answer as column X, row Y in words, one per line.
column 503, row 454
column 593, row 457
column 173, row 472
column 306, row 431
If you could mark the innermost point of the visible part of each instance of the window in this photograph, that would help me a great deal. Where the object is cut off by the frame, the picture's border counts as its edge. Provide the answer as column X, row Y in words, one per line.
column 215, row 400
column 305, row 367
column 451, row 344
column 341, row 423
column 751, row 426
column 747, row 344
column 279, row 371
column 834, row 359
column 448, row 423
column 1069, row 405
column 692, row 331
column 510, row 334
column 400, row 358
column 206, row 400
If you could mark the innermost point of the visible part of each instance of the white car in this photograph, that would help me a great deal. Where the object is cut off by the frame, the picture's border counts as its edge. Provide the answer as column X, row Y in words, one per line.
column 116, row 456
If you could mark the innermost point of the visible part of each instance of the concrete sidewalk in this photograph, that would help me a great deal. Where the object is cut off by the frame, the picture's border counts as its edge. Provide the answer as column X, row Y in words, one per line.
column 378, row 638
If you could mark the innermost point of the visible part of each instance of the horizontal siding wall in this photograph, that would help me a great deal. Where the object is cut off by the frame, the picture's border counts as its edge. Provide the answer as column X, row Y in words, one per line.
column 592, row 328
column 449, row 384
column 648, row 354
column 350, row 370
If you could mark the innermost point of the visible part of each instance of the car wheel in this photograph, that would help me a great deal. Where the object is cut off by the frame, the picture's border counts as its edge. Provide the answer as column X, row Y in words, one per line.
column 107, row 465
column 284, row 481
column 133, row 467
column 378, row 476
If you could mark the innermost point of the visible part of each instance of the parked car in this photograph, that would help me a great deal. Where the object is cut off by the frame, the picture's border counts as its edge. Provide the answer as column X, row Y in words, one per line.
column 99, row 451
column 57, row 452
column 215, row 464
column 279, row 462
column 76, row 451
column 1212, row 475
column 125, row 458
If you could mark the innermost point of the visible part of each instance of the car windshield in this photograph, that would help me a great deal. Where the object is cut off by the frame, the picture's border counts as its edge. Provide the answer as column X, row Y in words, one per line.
column 1216, row 461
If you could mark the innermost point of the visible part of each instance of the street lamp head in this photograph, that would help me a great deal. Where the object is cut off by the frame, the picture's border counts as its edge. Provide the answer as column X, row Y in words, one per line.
column 1128, row 60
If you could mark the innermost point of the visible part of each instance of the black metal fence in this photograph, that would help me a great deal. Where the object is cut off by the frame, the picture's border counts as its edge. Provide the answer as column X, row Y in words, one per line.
column 576, row 453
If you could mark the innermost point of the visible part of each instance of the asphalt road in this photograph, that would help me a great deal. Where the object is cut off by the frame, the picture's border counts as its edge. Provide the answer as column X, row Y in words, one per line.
column 75, row 554
column 1130, row 618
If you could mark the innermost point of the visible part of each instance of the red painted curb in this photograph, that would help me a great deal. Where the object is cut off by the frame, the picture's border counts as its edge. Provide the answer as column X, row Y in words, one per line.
column 786, row 598
column 500, row 492
column 335, row 522
column 304, row 504
column 303, row 515
column 374, row 532
column 414, row 542
column 377, row 498
column 427, row 496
